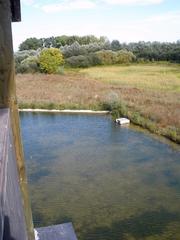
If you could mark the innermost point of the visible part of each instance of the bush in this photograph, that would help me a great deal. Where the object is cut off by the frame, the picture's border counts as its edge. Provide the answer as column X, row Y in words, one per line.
column 94, row 59
column 106, row 57
column 74, row 49
column 78, row 61
column 94, row 47
column 20, row 56
column 103, row 57
column 83, row 60
column 50, row 60
column 124, row 56
column 28, row 65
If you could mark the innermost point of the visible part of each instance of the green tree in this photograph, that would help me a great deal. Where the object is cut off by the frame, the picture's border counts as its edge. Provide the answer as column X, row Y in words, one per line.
column 50, row 60
column 115, row 45
column 31, row 44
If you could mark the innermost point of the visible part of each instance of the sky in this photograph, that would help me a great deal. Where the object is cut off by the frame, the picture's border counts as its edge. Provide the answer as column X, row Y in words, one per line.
column 124, row 20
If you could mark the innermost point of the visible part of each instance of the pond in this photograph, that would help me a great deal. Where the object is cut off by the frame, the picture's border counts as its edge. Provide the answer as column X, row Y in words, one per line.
column 112, row 182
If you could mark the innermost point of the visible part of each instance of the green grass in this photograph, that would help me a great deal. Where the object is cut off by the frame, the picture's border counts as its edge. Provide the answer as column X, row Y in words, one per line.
column 161, row 77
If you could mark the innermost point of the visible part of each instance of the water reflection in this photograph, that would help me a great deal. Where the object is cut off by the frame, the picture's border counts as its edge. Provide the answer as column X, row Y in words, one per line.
column 111, row 182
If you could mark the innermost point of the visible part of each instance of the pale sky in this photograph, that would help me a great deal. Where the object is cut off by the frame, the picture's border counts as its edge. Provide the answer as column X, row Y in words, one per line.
column 125, row 20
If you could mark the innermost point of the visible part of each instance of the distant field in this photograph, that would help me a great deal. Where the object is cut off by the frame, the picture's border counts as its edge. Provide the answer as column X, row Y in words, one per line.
column 152, row 90
column 155, row 77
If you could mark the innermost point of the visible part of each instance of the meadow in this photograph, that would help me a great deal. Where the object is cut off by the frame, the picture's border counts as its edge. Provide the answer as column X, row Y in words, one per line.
column 149, row 94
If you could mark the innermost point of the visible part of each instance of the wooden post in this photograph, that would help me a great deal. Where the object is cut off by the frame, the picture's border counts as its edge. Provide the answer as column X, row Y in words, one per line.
column 8, row 100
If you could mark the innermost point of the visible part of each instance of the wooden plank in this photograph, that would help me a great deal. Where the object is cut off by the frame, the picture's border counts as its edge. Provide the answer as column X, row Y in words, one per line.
column 13, row 225
column 57, row 232
column 14, row 219
column 3, row 165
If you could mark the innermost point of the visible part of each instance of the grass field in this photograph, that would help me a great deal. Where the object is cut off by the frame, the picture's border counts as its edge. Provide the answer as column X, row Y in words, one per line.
column 152, row 77
column 150, row 93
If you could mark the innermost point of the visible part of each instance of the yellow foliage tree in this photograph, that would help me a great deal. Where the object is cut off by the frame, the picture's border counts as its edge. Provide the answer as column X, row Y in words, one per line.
column 50, row 60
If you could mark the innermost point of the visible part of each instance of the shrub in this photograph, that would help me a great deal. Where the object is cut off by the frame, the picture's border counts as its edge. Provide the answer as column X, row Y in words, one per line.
column 79, row 61
column 124, row 56
column 94, row 47
column 106, row 57
column 74, row 49
column 50, row 59
column 83, row 60
column 94, row 60
column 20, row 56
column 28, row 65
column 172, row 133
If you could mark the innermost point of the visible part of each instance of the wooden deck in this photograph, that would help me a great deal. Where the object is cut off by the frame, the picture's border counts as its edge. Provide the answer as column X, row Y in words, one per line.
column 59, row 232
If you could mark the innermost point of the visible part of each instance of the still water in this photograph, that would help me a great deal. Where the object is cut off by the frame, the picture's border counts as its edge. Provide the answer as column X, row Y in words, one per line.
column 112, row 182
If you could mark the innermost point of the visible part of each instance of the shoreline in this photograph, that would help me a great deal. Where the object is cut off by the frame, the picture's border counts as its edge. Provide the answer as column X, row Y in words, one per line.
column 141, row 122
column 64, row 111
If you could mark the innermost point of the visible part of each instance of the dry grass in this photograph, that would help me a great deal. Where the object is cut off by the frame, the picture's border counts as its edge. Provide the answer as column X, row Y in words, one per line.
column 152, row 90
column 59, row 89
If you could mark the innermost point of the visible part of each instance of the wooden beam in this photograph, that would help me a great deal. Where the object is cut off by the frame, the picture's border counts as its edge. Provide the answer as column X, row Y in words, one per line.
column 8, row 99
column 15, row 10
column 7, row 86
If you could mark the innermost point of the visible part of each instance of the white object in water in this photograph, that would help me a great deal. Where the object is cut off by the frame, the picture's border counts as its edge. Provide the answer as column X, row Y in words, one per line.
column 36, row 235
column 122, row 121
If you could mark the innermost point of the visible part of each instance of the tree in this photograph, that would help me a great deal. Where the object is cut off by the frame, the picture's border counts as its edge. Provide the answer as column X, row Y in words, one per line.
column 50, row 59
column 31, row 44
column 49, row 42
column 115, row 45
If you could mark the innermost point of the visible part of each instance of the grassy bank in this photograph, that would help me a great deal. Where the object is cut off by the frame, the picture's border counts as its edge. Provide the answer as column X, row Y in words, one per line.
column 148, row 94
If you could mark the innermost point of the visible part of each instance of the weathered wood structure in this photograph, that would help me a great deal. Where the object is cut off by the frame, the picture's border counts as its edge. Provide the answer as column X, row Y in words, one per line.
column 15, row 10
column 10, row 206
column 12, row 213
column 15, row 212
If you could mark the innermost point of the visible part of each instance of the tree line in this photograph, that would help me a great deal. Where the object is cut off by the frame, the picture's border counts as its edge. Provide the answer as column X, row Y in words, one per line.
column 152, row 51
column 60, row 41
column 49, row 54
